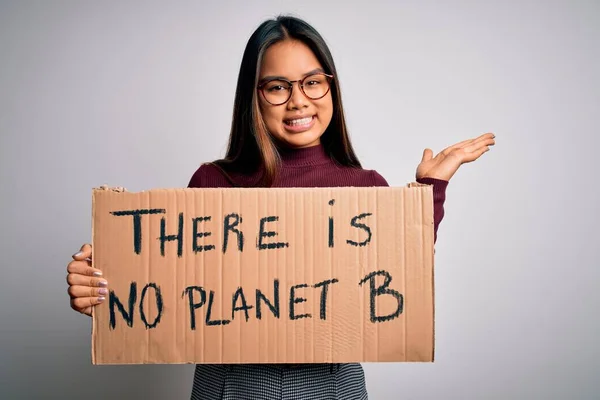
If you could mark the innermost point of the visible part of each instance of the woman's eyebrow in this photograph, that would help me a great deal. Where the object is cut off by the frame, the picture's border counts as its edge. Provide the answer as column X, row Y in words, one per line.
column 275, row 77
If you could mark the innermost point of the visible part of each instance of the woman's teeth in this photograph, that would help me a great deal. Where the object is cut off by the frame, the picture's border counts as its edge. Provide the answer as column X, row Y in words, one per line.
column 301, row 121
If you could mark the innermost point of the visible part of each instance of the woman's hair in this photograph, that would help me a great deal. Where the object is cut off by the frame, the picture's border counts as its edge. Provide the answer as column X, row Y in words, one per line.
column 251, row 148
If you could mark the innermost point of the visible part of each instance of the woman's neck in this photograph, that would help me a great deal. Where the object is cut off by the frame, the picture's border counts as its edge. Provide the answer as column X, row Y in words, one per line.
column 306, row 156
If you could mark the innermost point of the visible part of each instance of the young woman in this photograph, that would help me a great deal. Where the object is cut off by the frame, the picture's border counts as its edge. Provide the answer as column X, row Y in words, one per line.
column 288, row 130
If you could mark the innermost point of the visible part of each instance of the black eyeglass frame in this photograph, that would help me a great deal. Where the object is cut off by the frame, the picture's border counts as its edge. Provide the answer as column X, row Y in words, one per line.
column 261, row 86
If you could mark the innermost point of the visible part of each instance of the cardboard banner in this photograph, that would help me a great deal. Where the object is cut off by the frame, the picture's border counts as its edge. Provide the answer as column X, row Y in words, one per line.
column 277, row 275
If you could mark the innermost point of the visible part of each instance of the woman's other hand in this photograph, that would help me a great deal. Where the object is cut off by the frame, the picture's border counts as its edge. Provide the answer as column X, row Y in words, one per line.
column 444, row 165
column 86, row 285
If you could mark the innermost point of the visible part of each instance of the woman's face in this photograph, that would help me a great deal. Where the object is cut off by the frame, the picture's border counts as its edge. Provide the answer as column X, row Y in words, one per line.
column 300, row 121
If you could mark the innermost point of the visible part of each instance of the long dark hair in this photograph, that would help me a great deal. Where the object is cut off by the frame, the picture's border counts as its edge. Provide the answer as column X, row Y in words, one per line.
column 251, row 148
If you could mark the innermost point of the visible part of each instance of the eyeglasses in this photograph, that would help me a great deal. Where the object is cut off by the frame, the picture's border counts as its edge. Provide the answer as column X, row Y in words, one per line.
column 277, row 91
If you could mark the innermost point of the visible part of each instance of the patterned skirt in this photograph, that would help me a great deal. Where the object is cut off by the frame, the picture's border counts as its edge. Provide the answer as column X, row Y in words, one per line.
column 279, row 382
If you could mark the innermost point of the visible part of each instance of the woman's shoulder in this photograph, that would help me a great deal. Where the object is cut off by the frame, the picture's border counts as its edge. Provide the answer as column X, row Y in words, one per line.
column 373, row 178
column 377, row 178
column 352, row 176
column 209, row 175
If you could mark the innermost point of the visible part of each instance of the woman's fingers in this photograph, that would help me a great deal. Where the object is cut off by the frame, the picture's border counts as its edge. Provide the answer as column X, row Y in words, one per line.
column 469, row 142
column 472, row 149
column 478, row 145
column 85, row 304
column 485, row 136
column 84, row 253
column 83, row 268
column 76, row 291
column 475, row 154
column 84, row 280
column 458, row 145
column 86, row 287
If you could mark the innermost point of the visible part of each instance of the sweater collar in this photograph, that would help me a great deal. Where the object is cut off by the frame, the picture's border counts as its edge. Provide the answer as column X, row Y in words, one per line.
column 314, row 155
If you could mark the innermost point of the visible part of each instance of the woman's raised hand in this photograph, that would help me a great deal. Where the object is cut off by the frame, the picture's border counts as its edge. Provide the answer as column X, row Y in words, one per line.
column 444, row 165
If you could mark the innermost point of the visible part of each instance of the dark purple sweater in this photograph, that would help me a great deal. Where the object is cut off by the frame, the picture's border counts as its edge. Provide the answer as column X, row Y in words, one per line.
column 312, row 167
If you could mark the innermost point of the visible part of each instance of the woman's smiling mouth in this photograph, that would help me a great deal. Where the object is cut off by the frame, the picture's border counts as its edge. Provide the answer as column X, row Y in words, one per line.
column 299, row 124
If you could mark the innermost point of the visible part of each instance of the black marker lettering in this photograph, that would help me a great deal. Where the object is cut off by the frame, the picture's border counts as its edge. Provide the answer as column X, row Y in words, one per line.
column 169, row 238
column 325, row 285
column 239, row 293
column 193, row 306
column 159, row 305
column 383, row 289
column 261, row 297
column 197, row 248
column 355, row 224
column 262, row 234
column 114, row 300
column 137, row 224
column 228, row 226
column 331, row 203
column 211, row 298
column 294, row 300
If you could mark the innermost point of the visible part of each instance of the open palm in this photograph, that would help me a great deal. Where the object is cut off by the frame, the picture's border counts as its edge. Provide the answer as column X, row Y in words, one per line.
column 446, row 163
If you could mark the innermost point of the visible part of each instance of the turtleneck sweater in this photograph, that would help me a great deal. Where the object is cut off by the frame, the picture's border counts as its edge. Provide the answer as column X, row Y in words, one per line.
column 312, row 167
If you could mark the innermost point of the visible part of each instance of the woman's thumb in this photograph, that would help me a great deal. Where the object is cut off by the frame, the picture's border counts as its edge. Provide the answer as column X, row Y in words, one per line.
column 427, row 155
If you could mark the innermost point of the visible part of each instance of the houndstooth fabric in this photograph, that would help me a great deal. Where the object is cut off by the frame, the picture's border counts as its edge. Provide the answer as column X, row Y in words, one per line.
column 279, row 382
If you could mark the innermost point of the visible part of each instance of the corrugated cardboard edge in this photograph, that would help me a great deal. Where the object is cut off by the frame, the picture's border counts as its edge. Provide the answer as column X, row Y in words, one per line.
column 94, row 327
column 417, row 184
column 94, row 318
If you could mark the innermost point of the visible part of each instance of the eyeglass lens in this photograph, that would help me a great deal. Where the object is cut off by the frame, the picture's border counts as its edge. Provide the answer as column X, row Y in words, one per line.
column 279, row 92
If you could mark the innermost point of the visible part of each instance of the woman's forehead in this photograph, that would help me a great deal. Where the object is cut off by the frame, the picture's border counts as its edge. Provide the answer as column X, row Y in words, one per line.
column 290, row 59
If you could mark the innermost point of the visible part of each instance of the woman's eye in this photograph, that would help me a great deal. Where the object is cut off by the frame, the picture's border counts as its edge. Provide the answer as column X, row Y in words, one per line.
column 276, row 86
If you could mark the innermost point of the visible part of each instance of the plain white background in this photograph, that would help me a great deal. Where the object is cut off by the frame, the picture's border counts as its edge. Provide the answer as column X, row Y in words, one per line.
column 139, row 93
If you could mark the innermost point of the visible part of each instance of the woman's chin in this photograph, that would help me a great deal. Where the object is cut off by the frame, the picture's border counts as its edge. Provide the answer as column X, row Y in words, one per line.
column 299, row 140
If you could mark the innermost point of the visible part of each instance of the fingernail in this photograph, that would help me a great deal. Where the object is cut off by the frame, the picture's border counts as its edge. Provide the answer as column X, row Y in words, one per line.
column 77, row 254
column 102, row 291
column 97, row 273
column 101, row 298
column 102, row 283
